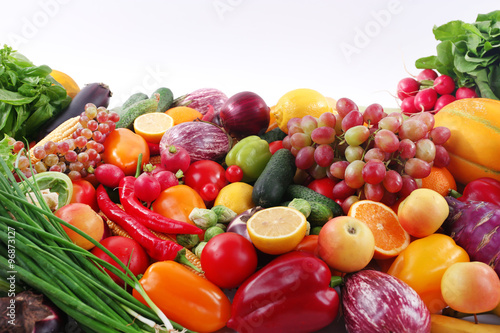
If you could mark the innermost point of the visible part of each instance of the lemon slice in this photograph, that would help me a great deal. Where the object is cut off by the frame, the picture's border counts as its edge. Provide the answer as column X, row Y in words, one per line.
column 277, row 230
column 152, row 126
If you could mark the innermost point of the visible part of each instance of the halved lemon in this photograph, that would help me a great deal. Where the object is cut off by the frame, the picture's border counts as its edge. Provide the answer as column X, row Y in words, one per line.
column 152, row 126
column 277, row 230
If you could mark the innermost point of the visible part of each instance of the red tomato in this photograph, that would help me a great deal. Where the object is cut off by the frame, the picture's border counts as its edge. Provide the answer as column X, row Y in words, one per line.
column 128, row 251
column 323, row 186
column 234, row 173
column 122, row 148
column 84, row 192
column 201, row 173
column 228, row 259
column 275, row 145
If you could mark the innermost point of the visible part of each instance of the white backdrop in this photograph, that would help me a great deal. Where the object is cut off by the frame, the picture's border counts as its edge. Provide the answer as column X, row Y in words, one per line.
column 356, row 49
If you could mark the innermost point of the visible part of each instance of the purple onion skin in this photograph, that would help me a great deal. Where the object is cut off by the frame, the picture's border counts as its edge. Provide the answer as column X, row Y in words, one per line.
column 202, row 140
column 475, row 226
column 245, row 113
column 200, row 100
column 374, row 301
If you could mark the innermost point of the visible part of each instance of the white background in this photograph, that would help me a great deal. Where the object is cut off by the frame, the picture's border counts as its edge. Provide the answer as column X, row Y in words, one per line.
column 355, row 49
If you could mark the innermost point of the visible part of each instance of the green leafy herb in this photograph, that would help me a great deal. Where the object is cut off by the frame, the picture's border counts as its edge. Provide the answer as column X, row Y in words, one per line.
column 6, row 154
column 29, row 96
column 469, row 53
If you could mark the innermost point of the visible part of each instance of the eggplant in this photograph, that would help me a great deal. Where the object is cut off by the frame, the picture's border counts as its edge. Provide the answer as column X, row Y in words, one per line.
column 96, row 93
column 374, row 301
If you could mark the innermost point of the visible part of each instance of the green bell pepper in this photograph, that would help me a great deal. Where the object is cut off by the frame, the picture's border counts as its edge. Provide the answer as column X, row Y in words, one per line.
column 251, row 154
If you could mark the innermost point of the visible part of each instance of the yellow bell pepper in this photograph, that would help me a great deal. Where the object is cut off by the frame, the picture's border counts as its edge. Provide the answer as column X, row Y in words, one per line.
column 422, row 265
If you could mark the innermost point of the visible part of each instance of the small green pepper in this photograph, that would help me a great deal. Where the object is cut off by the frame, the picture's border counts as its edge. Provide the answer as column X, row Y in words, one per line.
column 251, row 154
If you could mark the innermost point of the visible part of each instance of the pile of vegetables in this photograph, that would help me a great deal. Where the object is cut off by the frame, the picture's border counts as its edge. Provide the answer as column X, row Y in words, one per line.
column 176, row 254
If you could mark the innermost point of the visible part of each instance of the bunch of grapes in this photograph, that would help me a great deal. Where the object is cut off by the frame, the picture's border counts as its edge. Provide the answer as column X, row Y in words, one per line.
column 429, row 92
column 79, row 155
column 370, row 154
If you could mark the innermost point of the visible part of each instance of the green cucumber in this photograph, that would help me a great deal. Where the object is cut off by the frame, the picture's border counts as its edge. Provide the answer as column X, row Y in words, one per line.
column 269, row 188
column 130, row 101
column 135, row 110
column 275, row 134
column 319, row 213
column 299, row 191
column 166, row 99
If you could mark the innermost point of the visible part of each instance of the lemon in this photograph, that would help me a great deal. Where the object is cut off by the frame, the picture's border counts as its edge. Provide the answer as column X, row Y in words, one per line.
column 66, row 81
column 298, row 103
column 152, row 126
column 236, row 196
column 277, row 230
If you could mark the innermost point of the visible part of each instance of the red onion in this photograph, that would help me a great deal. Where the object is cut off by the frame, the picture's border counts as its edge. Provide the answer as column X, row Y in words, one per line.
column 245, row 114
column 202, row 140
column 374, row 301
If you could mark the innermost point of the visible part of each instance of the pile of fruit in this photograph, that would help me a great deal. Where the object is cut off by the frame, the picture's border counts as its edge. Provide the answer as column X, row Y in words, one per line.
column 209, row 213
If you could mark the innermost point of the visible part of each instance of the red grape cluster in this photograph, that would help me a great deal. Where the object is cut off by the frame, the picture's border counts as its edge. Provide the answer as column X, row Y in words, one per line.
column 79, row 155
column 429, row 92
column 370, row 154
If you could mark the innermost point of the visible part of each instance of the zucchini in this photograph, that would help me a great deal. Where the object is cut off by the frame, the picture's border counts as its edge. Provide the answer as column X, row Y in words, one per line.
column 166, row 99
column 135, row 110
column 269, row 188
column 302, row 192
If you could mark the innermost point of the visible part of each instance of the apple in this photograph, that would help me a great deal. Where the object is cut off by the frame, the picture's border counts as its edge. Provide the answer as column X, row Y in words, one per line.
column 346, row 244
column 422, row 212
column 471, row 287
column 83, row 217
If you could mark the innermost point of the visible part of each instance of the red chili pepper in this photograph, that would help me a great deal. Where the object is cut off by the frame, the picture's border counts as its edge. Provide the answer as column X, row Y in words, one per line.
column 157, row 248
column 482, row 189
column 148, row 218
column 290, row 294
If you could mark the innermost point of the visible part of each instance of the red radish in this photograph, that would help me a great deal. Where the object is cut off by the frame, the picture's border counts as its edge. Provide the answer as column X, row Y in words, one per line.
column 166, row 179
column 147, row 188
column 442, row 101
column 109, row 175
column 444, row 85
column 427, row 74
column 408, row 105
column 425, row 99
column 175, row 158
column 408, row 87
column 465, row 92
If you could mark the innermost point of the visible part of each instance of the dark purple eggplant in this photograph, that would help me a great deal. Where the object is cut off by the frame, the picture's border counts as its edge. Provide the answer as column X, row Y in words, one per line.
column 96, row 93
column 374, row 302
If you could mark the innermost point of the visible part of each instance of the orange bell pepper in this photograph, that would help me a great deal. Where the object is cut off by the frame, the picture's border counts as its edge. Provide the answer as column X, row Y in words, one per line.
column 177, row 202
column 422, row 265
column 184, row 297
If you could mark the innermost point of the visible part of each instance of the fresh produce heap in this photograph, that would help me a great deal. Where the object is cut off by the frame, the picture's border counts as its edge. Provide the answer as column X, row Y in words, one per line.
column 181, row 211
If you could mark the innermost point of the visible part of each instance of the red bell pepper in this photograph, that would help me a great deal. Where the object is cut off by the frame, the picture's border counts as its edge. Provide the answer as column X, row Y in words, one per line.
column 482, row 189
column 290, row 294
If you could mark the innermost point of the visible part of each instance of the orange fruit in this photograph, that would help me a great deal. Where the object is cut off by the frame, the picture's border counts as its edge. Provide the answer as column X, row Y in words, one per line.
column 277, row 230
column 390, row 237
column 183, row 114
column 440, row 180
column 152, row 126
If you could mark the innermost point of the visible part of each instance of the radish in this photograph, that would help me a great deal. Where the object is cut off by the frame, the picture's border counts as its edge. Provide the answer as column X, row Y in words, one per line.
column 465, row 92
column 444, row 85
column 425, row 99
column 147, row 188
column 408, row 105
column 442, row 101
column 408, row 87
column 427, row 74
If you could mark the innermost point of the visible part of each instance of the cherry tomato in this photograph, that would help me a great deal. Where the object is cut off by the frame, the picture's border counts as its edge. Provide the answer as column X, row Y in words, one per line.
column 128, row 251
column 234, row 173
column 209, row 192
column 201, row 173
column 228, row 259
column 275, row 145
column 308, row 244
column 84, row 192
column 323, row 186
column 122, row 148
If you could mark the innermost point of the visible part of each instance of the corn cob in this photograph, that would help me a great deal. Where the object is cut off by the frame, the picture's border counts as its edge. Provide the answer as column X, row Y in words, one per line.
column 116, row 230
column 61, row 133
column 156, row 159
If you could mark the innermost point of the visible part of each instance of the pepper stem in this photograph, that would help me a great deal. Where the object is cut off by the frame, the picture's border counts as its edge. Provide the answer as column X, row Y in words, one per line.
column 455, row 194
column 335, row 281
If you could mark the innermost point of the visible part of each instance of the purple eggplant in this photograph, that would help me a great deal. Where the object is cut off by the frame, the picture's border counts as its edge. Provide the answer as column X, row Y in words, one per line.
column 374, row 302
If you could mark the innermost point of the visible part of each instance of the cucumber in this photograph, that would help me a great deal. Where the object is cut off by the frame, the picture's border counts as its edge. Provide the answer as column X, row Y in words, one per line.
column 130, row 101
column 269, row 188
column 166, row 99
column 135, row 110
column 319, row 214
column 303, row 192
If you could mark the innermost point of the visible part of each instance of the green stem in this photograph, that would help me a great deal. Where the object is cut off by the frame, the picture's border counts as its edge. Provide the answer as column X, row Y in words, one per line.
column 139, row 166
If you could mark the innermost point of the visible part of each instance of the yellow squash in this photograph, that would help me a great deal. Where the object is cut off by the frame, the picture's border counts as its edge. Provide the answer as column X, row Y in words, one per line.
column 475, row 138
